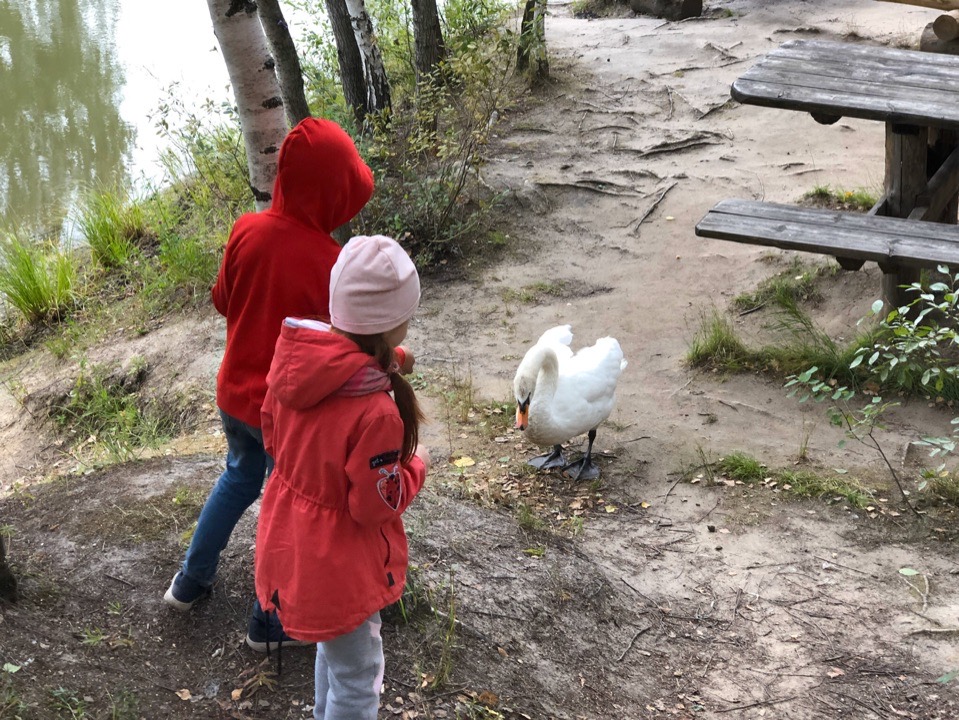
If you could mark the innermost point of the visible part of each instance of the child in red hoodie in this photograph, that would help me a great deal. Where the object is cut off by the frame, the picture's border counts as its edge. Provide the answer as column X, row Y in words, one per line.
column 277, row 263
column 342, row 425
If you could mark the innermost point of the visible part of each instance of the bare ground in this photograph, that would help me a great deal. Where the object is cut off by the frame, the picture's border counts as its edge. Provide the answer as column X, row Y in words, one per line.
column 644, row 596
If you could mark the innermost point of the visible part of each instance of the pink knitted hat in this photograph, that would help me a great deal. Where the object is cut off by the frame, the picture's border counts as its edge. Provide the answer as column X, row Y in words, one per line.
column 374, row 286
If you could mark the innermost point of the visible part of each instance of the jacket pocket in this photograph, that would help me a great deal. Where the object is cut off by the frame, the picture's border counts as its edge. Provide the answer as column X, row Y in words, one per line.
column 390, row 582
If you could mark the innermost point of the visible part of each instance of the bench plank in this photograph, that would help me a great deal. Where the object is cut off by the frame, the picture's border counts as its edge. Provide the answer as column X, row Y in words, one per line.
column 892, row 242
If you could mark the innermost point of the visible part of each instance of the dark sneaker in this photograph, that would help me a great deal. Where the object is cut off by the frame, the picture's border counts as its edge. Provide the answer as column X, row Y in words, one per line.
column 266, row 632
column 183, row 593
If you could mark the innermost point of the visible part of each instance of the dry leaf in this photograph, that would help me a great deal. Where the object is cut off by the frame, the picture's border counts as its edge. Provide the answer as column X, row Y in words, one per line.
column 236, row 694
column 184, row 694
column 611, row 508
column 464, row 462
column 836, row 672
column 644, row 505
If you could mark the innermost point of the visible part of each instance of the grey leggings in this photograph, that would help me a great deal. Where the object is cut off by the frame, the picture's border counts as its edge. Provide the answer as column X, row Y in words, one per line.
column 349, row 674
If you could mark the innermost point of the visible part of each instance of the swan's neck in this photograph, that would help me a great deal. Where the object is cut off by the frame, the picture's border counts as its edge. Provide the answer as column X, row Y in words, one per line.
column 547, row 376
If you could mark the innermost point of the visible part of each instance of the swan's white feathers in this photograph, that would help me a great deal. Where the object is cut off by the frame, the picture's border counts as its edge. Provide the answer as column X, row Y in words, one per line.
column 569, row 393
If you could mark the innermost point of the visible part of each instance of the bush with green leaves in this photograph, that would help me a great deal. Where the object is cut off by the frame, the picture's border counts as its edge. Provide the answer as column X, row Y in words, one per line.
column 915, row 350
column 425, row 156
column 37, row 279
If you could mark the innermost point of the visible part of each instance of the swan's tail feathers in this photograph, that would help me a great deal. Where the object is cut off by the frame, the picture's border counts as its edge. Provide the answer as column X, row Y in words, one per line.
column 559, row 335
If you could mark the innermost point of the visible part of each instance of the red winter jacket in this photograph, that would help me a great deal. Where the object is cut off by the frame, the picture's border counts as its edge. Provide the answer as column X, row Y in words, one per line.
column 330, row 546
column 277, row 262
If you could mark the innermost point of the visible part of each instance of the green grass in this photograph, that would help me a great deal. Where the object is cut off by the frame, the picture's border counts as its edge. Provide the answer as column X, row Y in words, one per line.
column 716, row 345
column 740, row 466
column 112, row 228
column 945, row 487
column 859, row 200
column 106, row 412
column 533, row 293
column 37, row 280
column 795, row 284
column 744, row 468
column 799, row 345
column 807, row 484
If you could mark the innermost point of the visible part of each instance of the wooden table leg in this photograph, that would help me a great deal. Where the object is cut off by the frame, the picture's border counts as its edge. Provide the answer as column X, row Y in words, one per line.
column 906, row 177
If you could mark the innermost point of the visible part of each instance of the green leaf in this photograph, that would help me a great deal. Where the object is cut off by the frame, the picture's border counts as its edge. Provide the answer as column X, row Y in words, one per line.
column 10, row 668
column 876, row 307
column 855, row 362
column 875, row 356
column 908, row 572
column 948, row 677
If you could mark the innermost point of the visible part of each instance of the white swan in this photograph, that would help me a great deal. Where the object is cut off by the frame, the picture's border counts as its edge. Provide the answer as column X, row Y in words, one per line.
column 560, row 395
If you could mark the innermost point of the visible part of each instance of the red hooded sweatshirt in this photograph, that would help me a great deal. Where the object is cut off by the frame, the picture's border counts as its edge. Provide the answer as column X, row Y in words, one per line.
column 277, row 262
column 331, row 548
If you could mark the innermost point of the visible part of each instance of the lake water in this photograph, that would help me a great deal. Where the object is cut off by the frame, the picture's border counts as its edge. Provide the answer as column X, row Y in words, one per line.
column 80, row 81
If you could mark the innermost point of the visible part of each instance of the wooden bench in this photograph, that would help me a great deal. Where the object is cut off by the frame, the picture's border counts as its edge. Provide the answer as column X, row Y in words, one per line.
column 852, row 238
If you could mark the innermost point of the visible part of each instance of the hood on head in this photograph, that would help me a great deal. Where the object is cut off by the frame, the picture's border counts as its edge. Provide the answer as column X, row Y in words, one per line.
column 321, row 180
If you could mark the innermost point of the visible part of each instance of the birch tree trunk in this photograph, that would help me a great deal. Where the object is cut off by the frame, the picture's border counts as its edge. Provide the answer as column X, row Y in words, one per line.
column 288, row 70
column 428, row 37
column 257, row 93
column 374, row 74
column 348, row 56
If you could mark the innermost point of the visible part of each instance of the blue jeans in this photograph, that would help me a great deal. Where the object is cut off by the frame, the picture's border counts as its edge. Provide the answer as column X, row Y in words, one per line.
column 247, row 464
column 349, row 674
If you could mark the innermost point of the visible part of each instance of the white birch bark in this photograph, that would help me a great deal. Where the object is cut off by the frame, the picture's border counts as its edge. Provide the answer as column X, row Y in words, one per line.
column 255, row 89
column 377, row 84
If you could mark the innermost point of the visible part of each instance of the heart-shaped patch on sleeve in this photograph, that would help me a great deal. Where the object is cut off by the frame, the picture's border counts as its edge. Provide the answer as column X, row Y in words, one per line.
column 389, row 486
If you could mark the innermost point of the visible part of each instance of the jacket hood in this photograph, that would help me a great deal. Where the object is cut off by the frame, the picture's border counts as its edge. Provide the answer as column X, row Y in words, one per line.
column 311, row 363
column 321, row 180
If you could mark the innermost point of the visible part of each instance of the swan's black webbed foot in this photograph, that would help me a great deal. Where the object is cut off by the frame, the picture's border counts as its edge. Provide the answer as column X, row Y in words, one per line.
column 584, row 468
column 554, row 459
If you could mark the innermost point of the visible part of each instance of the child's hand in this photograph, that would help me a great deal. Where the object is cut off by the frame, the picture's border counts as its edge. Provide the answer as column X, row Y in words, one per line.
column 423, row 454
column 407, row 367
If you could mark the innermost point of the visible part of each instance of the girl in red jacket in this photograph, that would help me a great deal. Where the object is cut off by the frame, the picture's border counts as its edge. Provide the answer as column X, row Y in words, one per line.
column 342, row 425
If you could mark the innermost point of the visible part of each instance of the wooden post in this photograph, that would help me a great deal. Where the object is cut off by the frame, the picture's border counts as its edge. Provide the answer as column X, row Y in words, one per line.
column 946, row 27
column 906, row 178
column 8, row 583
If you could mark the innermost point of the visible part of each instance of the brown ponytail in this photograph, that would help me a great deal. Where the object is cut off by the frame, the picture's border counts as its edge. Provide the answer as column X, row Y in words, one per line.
column 403, row 394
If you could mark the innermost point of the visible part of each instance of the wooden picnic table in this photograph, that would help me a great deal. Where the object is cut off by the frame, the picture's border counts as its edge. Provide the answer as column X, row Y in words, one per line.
column 916, row 95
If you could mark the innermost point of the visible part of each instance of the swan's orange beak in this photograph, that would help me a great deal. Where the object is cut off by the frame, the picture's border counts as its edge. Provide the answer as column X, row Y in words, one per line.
column 522, row 415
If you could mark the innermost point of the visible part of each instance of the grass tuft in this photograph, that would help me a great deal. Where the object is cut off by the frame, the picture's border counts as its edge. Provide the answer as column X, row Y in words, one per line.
column 112, row 227
column 37, row 280
column 740, row 466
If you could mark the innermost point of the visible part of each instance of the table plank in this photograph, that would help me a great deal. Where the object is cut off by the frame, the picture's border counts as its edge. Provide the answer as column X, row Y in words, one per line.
column 847, row 79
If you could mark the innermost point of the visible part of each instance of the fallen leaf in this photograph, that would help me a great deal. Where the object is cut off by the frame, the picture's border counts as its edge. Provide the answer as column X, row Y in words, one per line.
column 611, row 508
column 236, row 694
column 644, row 505
column 10, row 668
column 836, row 672
column 184, row 694
column 464, row 462
column 908, row 572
